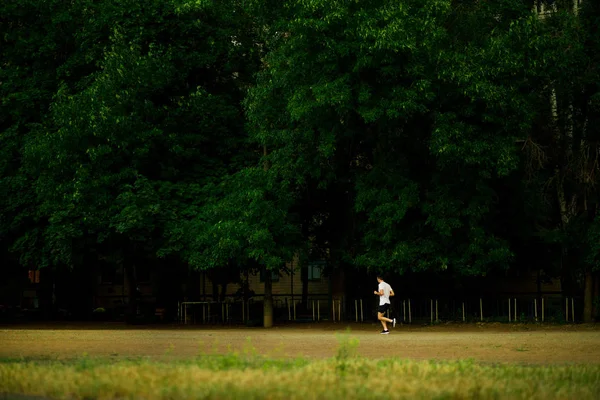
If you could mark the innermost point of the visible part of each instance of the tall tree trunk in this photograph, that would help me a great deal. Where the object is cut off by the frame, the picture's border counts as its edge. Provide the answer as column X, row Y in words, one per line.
column 595, row 295
column 268, row 300
column 132, row 286
column 588, row 294
column 246, row 286
column 223, row 291
column 129, row 261
column 304, row 268
column 304, row 278
column 565, row 264
column 215, row 291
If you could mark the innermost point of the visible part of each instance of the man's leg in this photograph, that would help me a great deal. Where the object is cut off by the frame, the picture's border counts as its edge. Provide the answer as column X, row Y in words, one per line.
column 383, row 320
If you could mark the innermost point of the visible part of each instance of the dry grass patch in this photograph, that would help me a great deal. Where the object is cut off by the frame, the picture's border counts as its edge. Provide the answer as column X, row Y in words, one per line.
column 352, row 379
column 251, row 376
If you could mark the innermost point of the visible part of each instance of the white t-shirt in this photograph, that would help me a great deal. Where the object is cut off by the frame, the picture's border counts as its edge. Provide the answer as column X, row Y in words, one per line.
column 387, row 289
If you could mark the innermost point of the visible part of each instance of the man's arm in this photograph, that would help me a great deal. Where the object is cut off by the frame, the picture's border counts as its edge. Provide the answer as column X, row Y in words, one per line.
column 380, row 292
column 392, row 292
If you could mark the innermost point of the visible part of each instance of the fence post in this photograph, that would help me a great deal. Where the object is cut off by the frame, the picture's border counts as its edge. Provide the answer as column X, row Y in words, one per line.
column 542, row 309
column 362, row 318
column 431, row 313
column 409, row 313
column 515, row 311
column 436, row 311
column 509, row 309
column 333, row 310
column 535, row 309
column 567, row 309
column 463, row 310
column 481, row 309
column 572, row 309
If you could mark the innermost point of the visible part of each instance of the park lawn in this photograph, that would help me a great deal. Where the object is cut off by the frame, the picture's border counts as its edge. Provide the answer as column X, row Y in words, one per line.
column 251, row 376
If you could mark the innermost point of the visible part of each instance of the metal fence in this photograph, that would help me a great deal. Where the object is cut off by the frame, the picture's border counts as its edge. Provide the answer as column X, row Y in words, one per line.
column 509, row 308
column 234, row 310
column 553, row 308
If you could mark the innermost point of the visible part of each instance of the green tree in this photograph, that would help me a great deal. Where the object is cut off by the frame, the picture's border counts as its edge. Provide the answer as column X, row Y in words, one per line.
column 405, row 113
column 126, row 154
column 248, row 221
column 563, row 147
column 37, row 41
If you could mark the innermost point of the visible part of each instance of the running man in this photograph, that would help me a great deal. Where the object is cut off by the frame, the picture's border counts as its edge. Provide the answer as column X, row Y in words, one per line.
column 384, row 293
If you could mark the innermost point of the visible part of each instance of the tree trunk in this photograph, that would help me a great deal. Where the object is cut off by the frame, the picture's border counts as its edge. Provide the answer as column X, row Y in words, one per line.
column 595, row 296
column 268, row 300
column 132, row 286
column 215, row 291
column 304, row 266
column 224, row 291
column 588, row 294
column 304, row 278
column 246, row 286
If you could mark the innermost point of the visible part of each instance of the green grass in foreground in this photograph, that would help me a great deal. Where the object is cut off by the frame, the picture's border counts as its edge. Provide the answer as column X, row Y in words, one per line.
column 251, row 376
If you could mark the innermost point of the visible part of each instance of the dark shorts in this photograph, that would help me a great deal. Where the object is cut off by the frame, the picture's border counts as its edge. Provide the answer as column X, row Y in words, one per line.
column 383, row 308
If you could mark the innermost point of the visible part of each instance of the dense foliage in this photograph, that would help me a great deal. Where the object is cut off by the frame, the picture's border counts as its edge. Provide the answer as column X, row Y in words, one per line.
column 459, row 137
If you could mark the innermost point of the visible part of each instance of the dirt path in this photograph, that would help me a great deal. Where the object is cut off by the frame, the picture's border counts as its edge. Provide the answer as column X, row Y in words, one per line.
column 500, row 343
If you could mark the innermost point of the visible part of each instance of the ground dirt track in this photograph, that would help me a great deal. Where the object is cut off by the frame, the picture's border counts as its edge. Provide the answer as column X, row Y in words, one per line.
column 530, row 344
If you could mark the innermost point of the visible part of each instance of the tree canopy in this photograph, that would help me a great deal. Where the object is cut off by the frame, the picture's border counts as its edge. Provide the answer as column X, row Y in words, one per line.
column 455, row 137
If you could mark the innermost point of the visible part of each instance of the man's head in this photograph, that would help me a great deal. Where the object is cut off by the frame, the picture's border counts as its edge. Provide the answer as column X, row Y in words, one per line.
column 379, row 278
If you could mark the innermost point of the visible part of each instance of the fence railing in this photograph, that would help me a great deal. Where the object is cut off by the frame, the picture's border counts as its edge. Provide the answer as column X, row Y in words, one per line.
column 414, row 310
column 509, row 308
column 236, row 310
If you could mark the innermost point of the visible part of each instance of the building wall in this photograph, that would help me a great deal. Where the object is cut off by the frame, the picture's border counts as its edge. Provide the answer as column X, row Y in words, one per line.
column 285, row 285
column 113, row 295
column 525, row 284
column 113, row 292
column 112, row 287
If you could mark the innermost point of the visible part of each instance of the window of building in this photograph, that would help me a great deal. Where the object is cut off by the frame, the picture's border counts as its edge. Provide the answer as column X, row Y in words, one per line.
column 34, row 276
column 111, row 274
column 315, row 269
column 274, row 275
